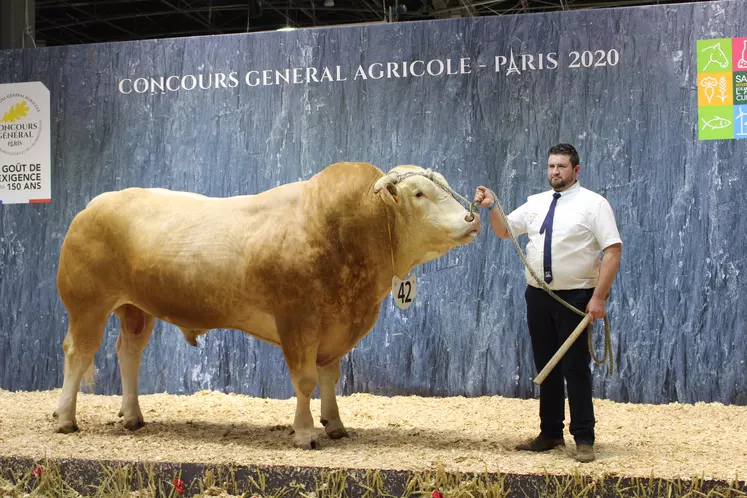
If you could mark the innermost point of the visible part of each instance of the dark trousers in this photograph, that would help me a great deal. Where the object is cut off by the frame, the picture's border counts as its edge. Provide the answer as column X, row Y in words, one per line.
column 550, row 324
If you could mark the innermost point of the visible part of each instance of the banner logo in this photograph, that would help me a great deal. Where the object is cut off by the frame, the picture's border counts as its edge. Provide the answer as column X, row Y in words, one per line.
column 722, row 88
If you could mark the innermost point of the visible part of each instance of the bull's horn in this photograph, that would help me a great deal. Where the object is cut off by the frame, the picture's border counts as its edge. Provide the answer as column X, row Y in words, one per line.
column 386, row 180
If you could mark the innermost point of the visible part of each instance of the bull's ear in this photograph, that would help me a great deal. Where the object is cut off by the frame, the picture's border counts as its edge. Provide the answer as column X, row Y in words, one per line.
column 387, row 185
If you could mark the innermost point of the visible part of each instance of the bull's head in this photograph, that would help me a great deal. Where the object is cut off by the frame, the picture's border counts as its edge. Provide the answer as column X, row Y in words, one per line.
column 429, row 220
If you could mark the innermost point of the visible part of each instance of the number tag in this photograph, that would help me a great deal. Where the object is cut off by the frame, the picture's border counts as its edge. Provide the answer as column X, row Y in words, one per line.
column 403, row 291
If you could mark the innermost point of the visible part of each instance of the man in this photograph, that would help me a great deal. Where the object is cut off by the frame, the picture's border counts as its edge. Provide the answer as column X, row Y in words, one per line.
column 568, row 226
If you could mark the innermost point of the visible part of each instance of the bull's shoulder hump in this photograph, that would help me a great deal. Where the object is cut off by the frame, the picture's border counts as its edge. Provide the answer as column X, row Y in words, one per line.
column 343, row 169
column 344, row 178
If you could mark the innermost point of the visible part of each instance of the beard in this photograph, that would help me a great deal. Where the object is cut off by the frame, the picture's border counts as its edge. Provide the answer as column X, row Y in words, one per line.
column 558, row 183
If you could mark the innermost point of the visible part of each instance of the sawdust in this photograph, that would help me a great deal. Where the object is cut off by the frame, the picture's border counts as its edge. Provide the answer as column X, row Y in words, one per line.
column 402, row 432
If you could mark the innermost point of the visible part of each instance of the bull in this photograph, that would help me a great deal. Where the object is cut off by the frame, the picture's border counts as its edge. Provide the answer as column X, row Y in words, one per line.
column 304, row 266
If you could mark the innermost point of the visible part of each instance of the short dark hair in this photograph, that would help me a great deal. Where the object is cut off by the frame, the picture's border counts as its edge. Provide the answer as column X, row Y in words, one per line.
column 565, row 150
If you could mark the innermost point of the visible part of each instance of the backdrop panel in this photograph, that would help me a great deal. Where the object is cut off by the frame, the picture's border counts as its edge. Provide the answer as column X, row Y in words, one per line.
column 480, row 100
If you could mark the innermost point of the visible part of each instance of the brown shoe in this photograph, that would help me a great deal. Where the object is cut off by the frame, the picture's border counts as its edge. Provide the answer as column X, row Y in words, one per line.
column 585, row 453
column 541, row 443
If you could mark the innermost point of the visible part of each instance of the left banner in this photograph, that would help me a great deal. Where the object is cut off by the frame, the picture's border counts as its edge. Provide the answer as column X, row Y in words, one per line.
column 25, row 151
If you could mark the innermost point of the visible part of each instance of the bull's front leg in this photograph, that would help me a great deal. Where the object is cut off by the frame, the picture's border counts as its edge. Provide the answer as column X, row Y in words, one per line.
column 329, row 376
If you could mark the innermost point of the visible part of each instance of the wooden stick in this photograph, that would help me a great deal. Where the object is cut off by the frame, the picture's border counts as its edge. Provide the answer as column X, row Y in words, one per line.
column 562, row 351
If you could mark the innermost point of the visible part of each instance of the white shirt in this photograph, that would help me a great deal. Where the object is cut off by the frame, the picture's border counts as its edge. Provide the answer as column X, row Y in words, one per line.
column 583, row 225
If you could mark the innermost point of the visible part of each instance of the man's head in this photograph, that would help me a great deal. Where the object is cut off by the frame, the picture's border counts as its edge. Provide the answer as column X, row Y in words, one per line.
column 562, row 166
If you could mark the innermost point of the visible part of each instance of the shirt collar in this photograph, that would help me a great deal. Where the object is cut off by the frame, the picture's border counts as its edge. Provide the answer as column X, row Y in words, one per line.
column 569, row 191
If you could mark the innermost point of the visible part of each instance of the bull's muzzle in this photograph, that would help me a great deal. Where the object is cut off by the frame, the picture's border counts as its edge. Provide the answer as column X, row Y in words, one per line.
column 473, row 225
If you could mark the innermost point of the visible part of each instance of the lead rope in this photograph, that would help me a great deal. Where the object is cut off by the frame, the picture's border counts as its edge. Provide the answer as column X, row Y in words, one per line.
column 391, row 246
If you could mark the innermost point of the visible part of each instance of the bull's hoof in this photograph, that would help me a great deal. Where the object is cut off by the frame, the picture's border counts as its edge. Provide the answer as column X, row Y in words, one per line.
column 338, row 433
column 334, row 428
column 67, row 428
column 305, row 443
column 133, row 425
column 120, row 414
column 54, row 414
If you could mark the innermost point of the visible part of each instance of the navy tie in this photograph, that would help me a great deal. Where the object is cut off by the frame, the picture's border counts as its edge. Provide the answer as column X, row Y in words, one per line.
column 547, row 227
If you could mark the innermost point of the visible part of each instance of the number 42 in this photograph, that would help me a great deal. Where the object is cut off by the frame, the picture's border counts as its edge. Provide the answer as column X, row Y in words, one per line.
column 401, row 294
column 403, row 291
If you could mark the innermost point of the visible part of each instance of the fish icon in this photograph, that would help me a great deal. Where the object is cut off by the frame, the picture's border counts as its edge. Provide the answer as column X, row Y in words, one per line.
column 715, row 123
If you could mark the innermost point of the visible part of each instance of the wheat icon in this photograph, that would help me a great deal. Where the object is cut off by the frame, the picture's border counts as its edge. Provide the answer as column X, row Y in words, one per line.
column 722, row 88
column 16, row 112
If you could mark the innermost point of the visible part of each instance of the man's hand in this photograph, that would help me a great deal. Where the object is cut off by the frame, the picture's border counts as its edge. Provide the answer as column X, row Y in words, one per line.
column 484, row 196
column 596, row 308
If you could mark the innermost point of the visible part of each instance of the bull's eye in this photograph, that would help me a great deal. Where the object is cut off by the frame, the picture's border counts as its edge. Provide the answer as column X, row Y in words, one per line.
column 419, row 194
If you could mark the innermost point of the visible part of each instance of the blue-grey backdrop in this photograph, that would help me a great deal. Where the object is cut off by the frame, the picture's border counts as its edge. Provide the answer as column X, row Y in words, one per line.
column 677, row 308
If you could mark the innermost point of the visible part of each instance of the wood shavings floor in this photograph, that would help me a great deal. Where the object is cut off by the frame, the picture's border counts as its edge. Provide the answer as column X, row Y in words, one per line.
column 403, row 432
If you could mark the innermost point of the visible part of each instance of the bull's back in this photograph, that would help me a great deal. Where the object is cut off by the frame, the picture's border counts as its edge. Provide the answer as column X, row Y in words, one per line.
column 192, row 260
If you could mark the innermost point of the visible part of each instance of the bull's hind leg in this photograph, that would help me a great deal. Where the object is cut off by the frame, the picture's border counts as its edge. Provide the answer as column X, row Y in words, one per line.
column 299, row 350
column 329, row 376
column 304, row 376
column 136, row 327
column 85, row 334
